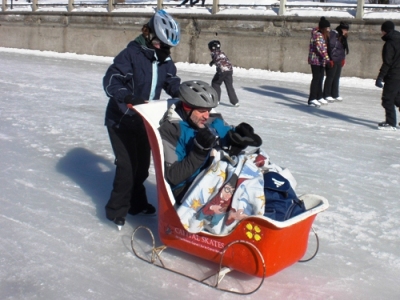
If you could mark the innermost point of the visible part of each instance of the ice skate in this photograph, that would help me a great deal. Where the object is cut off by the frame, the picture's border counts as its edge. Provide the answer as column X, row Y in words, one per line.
column 314, row 103
column 330, row 99
column 149, row 210
column 119, row 221
column 322, row 101
column 386, row 126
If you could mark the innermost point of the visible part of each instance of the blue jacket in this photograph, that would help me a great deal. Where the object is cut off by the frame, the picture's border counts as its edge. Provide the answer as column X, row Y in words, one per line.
column 136, row 71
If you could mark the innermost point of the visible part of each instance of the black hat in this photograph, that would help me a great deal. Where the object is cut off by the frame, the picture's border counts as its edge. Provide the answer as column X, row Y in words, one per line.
column 344, row 25
column 387, row 26
column 323, row 23
column 214, row 44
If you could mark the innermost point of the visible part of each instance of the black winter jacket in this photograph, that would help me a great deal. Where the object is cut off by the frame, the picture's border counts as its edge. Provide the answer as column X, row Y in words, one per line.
column 132, row 73
column 337, row 51
column 390, row 68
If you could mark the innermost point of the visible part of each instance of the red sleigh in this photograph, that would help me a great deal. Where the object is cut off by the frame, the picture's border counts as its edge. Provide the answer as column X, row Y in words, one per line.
column 257, row 246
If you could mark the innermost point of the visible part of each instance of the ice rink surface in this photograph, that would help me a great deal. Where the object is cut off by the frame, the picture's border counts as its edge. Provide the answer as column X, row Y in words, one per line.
column 57, row 170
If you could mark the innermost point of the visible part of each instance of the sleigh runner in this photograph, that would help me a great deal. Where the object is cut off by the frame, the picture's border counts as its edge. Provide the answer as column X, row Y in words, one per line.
column 257, row 245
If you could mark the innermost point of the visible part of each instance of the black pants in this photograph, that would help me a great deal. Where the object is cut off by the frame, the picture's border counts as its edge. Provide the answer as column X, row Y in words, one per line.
column 132, row 160
column 331, row 86
column 226, row 78
column 192, row 2
column 318, row 73
column 390, row 99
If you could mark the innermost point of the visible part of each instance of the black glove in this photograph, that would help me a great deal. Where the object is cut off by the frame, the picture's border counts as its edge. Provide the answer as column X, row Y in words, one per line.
column 130, row 99
column 211, row 63
column 245, row 130
column 242, row 137
column 205, row 139
column 379, row 83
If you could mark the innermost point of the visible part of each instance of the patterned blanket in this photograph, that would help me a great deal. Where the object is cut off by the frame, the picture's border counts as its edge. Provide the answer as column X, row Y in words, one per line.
column 225, row 193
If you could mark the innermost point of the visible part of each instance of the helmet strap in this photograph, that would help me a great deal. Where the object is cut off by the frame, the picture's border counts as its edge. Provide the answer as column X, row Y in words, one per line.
column 186, row 107
column 188, row 110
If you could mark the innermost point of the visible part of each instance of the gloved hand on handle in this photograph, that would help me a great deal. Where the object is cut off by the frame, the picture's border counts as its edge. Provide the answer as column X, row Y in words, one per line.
column 131, row 100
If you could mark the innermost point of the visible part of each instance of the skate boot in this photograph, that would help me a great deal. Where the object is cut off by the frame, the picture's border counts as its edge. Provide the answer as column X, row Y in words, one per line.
column 386, row 126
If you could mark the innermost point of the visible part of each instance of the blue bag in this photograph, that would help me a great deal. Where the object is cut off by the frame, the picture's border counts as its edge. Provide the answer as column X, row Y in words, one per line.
column 281, row 202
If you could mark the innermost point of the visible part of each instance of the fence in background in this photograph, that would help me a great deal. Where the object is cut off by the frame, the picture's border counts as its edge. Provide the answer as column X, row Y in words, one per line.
column 283, row 5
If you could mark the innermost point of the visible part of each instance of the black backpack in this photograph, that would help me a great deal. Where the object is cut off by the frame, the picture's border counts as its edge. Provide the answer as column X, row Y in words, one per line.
column 281, row 202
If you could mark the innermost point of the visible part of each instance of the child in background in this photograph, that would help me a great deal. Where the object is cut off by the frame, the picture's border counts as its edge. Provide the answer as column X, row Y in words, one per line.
column 224, row 72
column 192, row 3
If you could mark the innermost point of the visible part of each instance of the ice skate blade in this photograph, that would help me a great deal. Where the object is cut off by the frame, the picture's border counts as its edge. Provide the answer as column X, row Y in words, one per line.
column 119, row 227
column 387, row 128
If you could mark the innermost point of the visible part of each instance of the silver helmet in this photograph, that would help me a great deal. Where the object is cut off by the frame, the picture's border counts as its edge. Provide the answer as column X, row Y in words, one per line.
column 198, row 94
column 165, row 28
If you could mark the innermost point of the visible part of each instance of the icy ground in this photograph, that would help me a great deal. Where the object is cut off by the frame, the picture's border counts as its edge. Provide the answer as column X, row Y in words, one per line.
column 57, row 170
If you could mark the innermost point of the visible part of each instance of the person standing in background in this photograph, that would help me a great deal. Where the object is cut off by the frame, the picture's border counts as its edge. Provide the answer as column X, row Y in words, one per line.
column 318, row 58
column 197, row 1
column 224, row 72
column 192, row 3
column 338, row 49
column 389, row 73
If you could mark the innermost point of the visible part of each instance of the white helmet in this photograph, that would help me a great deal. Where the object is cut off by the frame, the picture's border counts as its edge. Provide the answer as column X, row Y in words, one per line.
column 165, row 28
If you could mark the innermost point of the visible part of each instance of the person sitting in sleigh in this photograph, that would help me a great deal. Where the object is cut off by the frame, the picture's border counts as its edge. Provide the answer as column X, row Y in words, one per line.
column 214, row 182
column 190, row 130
